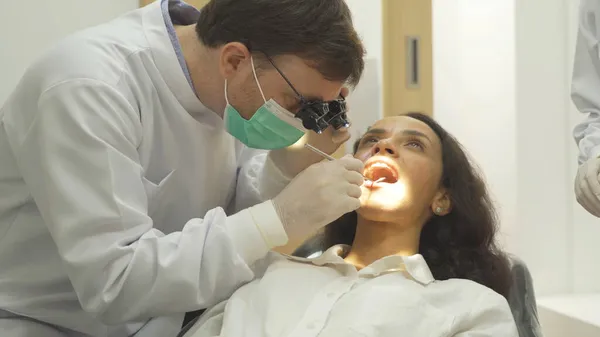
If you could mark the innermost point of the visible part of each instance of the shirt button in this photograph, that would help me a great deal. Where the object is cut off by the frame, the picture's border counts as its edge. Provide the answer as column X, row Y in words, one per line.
column 311, row 326
column 330, row 295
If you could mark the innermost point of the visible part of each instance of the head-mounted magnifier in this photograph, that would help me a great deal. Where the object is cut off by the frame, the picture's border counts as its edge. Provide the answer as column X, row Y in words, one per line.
column 318, row 115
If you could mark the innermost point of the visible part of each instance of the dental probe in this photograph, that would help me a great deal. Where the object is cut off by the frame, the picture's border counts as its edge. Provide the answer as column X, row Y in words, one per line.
column 319, row 152
column 330, row 158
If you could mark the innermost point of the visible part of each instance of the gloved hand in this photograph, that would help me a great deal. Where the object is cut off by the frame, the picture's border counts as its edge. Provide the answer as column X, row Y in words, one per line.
column 293, row 160
column 587, row 186
column 319, row 195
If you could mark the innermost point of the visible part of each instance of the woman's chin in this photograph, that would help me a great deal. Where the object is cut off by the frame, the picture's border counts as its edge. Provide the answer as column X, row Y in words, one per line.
column 373, row 211
column 385, row 194
column 380, row 202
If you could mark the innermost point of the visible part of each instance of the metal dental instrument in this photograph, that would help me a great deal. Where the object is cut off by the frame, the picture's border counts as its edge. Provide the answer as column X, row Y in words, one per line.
column 330, row 158
column 319, row 152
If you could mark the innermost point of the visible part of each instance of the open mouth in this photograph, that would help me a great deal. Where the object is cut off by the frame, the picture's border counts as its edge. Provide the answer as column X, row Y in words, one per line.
column 381, row 172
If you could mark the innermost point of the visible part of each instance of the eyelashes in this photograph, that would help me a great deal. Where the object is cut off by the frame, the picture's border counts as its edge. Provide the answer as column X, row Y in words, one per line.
column 368, row 140
column 411, row 142
column 415, row 142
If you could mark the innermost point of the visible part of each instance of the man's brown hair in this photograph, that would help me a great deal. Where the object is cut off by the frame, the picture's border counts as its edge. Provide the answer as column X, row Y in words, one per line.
column 319, row 31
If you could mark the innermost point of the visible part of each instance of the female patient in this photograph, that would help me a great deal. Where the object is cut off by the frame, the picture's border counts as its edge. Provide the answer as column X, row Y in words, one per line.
column 422, row 260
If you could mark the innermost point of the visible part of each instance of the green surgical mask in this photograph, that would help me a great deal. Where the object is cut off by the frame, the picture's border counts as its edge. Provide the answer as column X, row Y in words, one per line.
column 271, row 126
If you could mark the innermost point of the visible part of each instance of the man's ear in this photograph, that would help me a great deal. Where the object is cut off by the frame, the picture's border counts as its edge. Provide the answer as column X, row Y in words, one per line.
column 441, row 204
column 231, row 56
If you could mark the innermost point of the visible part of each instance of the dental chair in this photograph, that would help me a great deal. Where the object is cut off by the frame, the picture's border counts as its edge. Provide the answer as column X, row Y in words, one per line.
column 521, row 298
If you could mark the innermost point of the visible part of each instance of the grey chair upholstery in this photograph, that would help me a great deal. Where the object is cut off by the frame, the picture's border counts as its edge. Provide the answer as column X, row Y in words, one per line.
column 521, row 298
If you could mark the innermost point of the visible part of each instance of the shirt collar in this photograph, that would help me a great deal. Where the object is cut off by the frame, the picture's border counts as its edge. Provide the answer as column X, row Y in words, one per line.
column 165, row 58
column 180, row 13
column 415, row 265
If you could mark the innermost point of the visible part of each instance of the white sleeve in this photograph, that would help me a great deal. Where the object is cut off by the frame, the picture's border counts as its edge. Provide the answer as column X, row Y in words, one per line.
column 490, row 317
column 259, row 179
column 78, row 155
column 585, row 88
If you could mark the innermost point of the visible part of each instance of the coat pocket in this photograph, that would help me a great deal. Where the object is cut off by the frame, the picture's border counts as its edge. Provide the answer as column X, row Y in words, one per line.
column 157, row 192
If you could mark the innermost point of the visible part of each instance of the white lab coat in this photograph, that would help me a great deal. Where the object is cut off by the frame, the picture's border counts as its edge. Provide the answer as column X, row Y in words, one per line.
column 113, row 183
column 585, row 90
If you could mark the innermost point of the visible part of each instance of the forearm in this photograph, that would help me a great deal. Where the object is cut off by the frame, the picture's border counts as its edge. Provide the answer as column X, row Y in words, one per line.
column 259, row 179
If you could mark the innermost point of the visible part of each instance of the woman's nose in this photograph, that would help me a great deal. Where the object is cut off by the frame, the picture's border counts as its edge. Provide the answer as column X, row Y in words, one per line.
column 384, row 147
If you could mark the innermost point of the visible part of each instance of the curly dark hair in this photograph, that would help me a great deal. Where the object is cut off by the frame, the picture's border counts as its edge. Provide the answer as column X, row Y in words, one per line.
column 462, row 243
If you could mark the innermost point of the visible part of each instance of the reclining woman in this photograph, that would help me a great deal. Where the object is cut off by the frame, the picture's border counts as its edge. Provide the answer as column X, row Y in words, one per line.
column 422, row 260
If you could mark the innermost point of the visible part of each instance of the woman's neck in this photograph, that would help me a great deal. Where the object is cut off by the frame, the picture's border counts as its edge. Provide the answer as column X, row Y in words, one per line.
column 375, row 240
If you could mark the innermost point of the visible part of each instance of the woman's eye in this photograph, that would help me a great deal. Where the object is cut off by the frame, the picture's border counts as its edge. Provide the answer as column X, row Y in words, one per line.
column 415, row 144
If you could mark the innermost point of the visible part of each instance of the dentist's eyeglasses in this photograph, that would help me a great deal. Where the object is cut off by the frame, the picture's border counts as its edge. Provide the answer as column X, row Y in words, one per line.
column 318, row 115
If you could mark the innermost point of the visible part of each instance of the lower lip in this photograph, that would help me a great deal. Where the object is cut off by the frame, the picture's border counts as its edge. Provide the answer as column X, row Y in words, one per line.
column 374, row 185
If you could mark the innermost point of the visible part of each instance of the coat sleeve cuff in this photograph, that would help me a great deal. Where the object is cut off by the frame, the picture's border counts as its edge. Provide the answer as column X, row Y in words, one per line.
column 256, row 230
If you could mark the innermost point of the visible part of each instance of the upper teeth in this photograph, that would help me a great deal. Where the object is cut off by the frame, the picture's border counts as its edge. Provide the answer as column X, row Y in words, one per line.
column 383, row 165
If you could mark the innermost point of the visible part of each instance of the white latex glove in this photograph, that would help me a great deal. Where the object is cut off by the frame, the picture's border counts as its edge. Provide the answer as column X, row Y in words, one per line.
column 319, row 195
column 587, row 186
column 293, row 160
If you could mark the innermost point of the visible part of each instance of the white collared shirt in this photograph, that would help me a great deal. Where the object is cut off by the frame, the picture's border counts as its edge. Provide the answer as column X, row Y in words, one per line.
column 327, row 297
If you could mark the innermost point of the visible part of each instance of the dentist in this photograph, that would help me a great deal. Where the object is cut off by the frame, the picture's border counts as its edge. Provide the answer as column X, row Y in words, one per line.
column 135, row 180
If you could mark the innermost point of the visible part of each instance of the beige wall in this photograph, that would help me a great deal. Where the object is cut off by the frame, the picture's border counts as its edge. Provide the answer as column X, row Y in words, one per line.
column 403, row 19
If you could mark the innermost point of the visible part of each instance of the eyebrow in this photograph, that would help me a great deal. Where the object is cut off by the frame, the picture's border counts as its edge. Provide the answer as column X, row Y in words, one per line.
column 408, row 132
column 312, row 98
column 415, row 133
column 306, row 97
column 375, row 131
